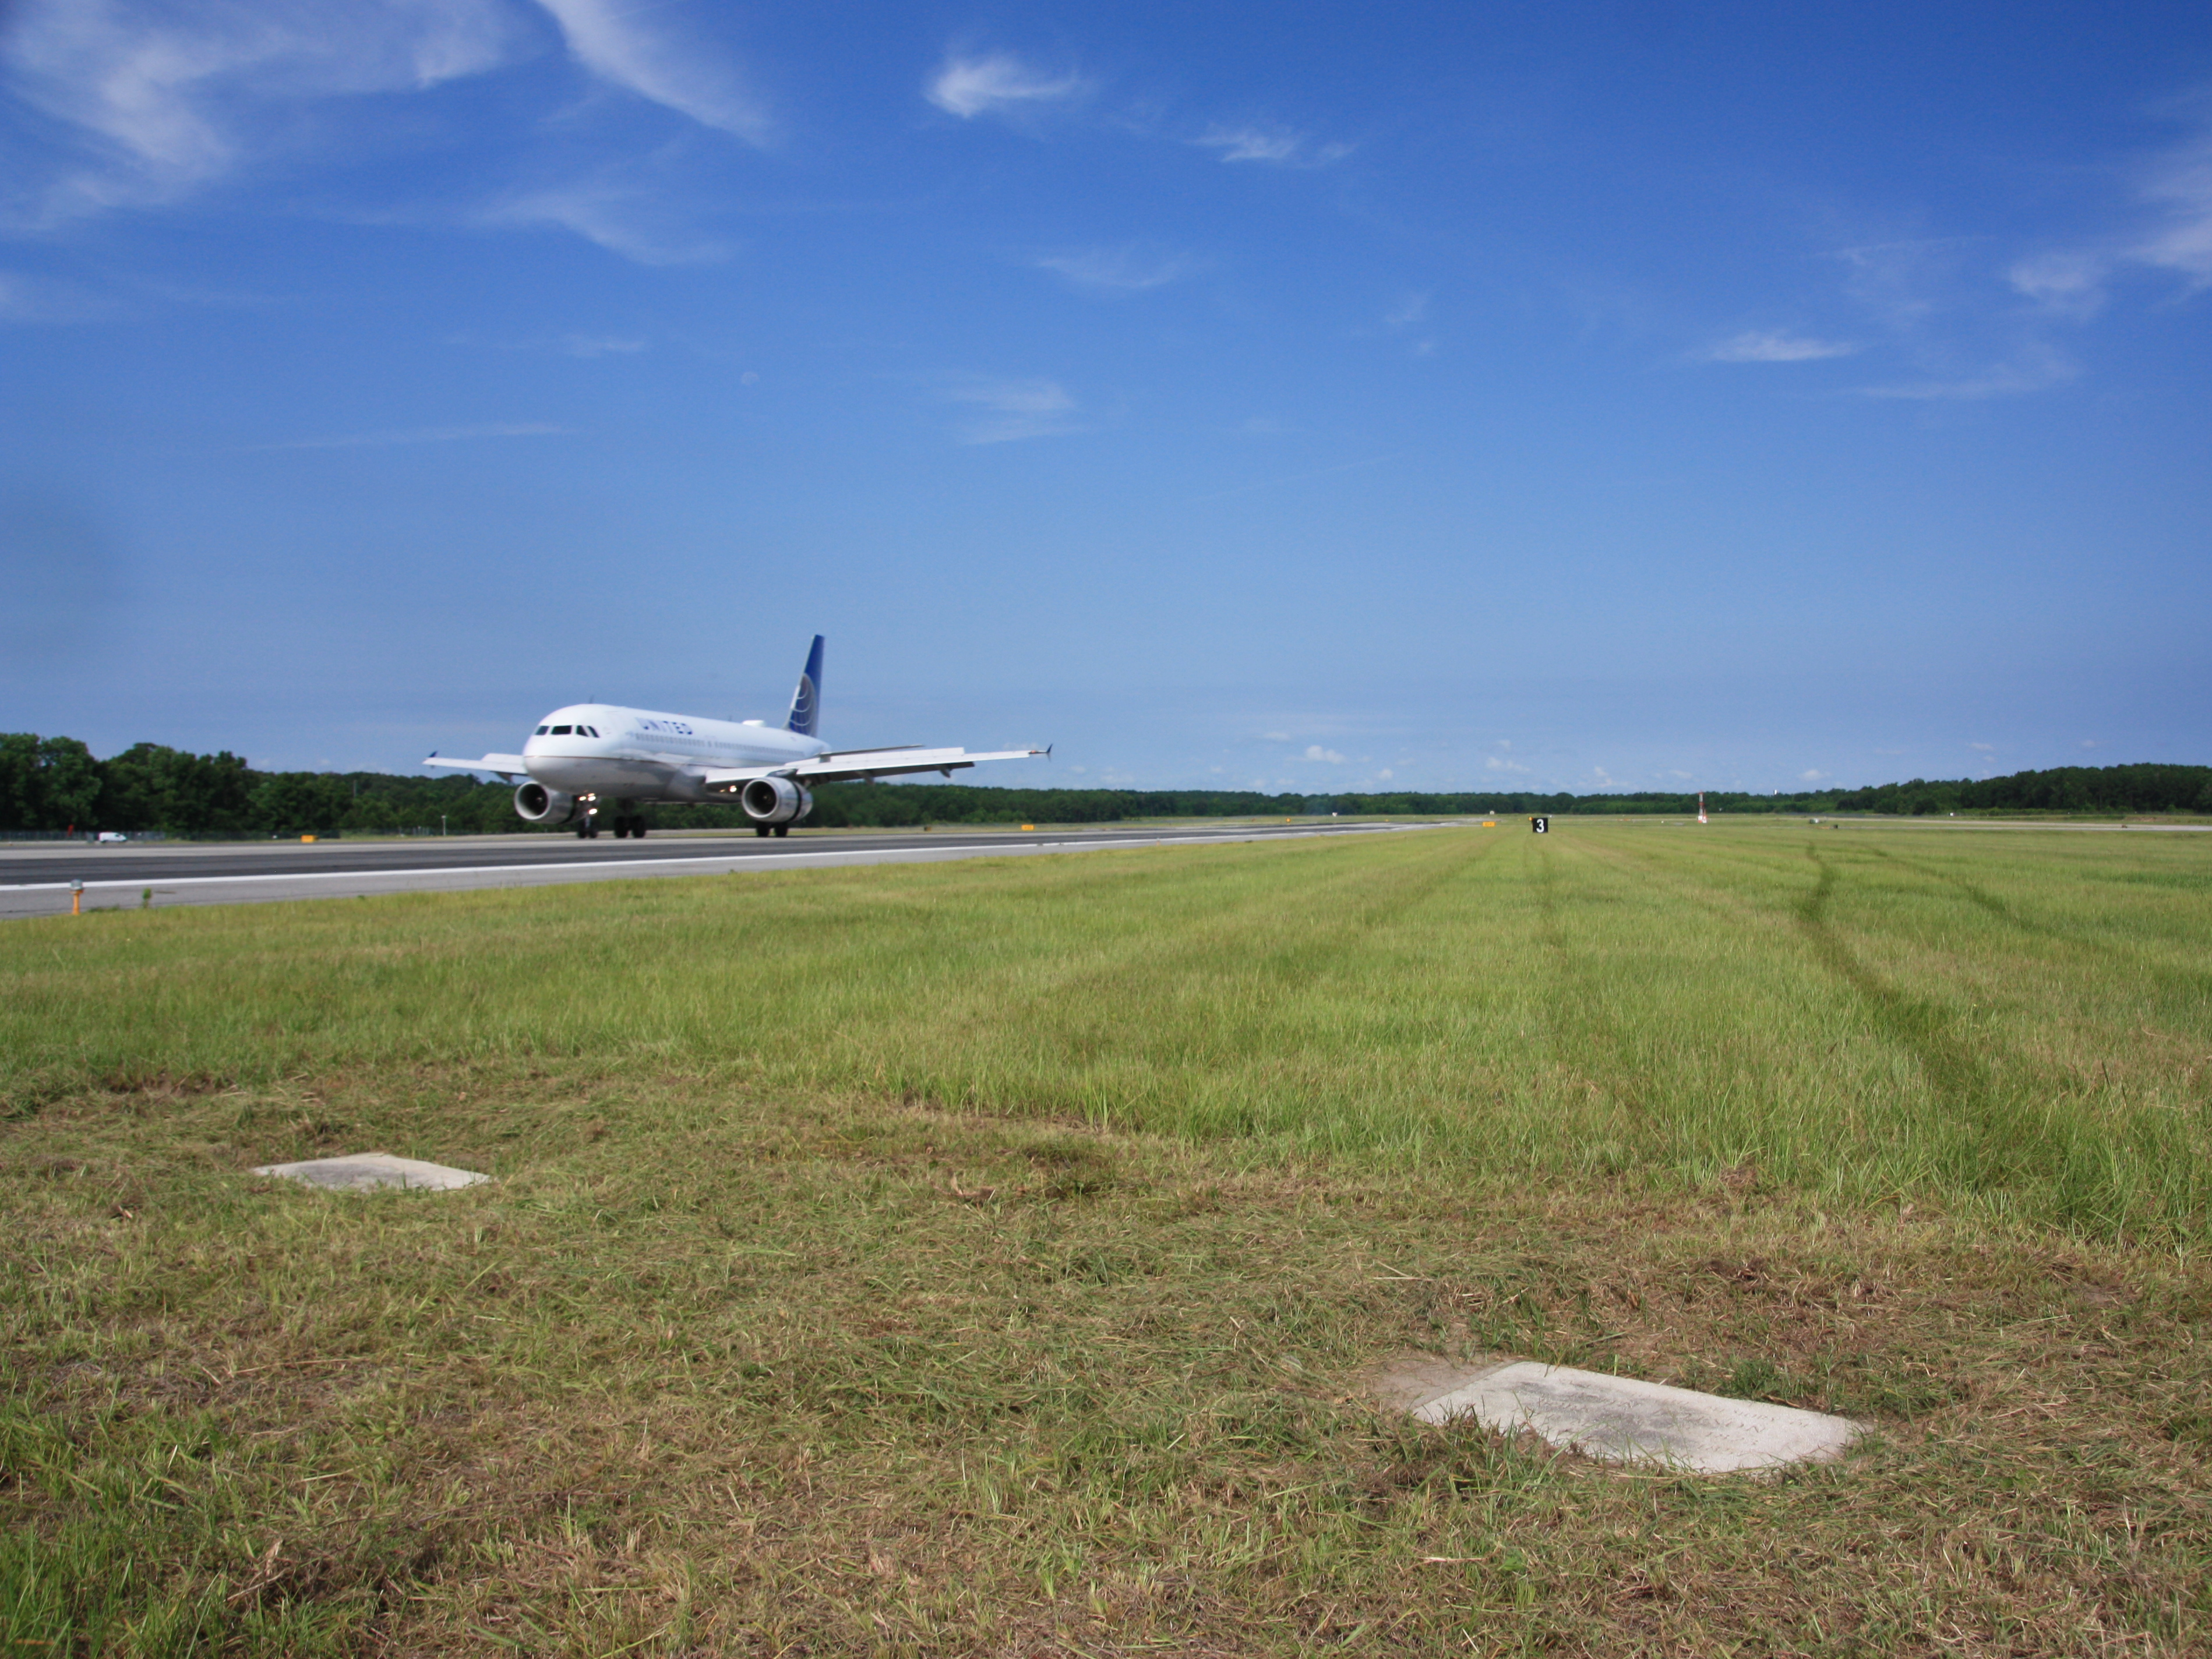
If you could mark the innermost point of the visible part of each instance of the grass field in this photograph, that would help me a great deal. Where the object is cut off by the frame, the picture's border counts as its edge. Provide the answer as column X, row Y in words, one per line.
column 987, row 1256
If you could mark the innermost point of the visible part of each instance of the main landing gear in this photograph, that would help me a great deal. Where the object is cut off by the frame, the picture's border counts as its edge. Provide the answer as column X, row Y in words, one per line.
column 771, row 829
column 626, row 822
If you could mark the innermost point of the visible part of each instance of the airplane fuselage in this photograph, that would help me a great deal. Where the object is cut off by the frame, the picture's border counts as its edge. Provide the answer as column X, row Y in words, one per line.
column 592, row 753
column 641, row 755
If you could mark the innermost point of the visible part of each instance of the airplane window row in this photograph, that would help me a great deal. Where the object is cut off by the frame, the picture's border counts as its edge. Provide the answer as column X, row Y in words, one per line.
column 565, row 730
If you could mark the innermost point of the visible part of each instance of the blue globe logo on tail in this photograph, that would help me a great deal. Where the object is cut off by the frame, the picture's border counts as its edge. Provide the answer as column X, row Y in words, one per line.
column 806, row 700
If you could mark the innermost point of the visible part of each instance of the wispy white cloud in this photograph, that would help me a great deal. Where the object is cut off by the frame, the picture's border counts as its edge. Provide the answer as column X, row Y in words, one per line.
column 1410, row 308
column 427, row 434
column 2069, row 283
column 29, row 298
column 569, row 345
column 2176, row 189
column 625, row 218
column 2035, row 366
column 1249, row 144
column 1008, row 411
column 165, row 99
column 155, row 101
column 1274, row 736
column 1898, row 283
column 969, row 87
column 1932, row 297
column 1126, row 269
column 1316, row 752
column 1810, row 775
column 1773, row 346
column 2179, row 187
column 614, row 42
column 600, row 345
column 1411, row 312
column 1278, row 145
column 1500, row 763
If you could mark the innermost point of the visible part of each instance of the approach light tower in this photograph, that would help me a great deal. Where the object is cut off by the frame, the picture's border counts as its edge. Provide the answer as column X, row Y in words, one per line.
column 1701, row 807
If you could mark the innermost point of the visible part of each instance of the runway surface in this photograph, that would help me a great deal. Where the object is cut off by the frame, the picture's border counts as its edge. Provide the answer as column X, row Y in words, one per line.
column 35, row 877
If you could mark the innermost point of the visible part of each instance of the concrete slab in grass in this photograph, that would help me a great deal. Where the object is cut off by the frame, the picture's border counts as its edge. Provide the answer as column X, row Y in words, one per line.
column 1619, row 1419
column 365, row 1171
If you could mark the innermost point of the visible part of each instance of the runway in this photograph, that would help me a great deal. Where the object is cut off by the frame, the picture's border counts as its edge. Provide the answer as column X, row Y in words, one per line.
column 35, row 877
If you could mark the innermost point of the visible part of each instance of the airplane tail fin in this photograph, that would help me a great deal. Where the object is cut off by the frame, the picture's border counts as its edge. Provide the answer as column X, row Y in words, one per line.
column 806, row 700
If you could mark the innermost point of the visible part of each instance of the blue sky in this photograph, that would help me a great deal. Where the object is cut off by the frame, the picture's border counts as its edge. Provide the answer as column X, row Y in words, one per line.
column 1314, row 397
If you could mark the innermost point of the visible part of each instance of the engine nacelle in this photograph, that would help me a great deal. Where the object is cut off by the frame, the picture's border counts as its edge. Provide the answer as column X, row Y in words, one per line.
column 539, row 805
column 774, row 800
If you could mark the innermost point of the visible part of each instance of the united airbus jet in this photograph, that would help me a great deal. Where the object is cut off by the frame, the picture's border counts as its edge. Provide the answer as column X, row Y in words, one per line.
column 590, row 756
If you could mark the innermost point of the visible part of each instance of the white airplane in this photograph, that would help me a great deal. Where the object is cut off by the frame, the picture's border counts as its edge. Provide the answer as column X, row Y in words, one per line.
column 593, row 752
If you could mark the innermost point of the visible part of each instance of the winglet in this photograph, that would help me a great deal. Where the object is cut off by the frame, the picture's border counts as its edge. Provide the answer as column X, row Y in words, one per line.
column 806, row 700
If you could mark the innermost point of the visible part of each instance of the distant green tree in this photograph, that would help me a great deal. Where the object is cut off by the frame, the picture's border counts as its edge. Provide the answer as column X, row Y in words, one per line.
column 153, row 787
column 53, row 782
column 47, row 783
column 19, row 781
column 299, row 803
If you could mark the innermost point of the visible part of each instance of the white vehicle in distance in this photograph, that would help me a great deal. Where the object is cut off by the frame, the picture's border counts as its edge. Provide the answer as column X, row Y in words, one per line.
column 585, row 756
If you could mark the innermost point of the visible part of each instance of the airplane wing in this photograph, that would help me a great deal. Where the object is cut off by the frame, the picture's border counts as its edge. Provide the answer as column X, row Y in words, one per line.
column 509, row 767
column 864, row 763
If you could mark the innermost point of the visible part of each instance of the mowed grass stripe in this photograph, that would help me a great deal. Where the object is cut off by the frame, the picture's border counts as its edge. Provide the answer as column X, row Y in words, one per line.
column 1173, row 986
column 1993, row 1012
column 2014, row 1022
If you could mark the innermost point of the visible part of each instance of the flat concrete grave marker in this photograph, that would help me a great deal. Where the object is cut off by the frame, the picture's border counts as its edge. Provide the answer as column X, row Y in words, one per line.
column 364, row 1170
column 1623, row 1421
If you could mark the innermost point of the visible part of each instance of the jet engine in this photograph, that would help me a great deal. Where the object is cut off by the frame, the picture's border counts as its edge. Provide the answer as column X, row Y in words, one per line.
column 539, row 805
column 774, row 800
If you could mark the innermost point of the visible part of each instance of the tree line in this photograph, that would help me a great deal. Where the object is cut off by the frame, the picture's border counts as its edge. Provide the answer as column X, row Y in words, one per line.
column 2086, row 789
column 58, row 784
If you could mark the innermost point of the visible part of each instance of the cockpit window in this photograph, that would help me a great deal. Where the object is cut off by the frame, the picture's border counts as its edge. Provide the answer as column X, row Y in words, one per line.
column 562, row 731
column 543, row 730
column 593, row 730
